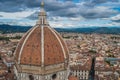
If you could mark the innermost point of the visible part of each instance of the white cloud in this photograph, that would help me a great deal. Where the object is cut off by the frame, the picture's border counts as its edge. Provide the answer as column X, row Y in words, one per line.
column 117, row 17
column 16, row 15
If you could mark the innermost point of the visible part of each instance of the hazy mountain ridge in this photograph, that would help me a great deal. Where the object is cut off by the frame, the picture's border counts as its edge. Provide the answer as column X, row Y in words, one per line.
column 102, row 30
column 12, row 29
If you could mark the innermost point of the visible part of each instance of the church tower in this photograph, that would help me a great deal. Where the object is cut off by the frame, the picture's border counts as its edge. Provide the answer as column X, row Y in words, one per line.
column 41, row 54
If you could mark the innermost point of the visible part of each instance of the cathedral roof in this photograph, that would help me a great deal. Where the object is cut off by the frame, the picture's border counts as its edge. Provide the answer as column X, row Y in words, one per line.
column 41, row 45
column 72, row 78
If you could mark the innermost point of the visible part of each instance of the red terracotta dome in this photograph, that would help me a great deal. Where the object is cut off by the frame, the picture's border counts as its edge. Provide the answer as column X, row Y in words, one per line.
column 41, row 45
column 29, row 52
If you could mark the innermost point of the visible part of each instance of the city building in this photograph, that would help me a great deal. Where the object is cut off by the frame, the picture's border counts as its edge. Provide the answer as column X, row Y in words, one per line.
column 81, row 69
column 105, row 71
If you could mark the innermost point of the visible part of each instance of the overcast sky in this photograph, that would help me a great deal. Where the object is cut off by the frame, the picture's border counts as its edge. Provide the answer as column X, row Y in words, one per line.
column 62, row 13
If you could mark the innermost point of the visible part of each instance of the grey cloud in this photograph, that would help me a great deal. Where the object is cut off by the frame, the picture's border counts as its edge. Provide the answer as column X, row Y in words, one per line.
column 62, row 9
column 70, row 12
column 103, row 1
column 1, row 16
column 75, row 12
column 93, row 13
column 54, row 5
column 92, row 3
column 55, row 8
column 88, row 13
column 33, row 16
column 19, row 5
column 11, row 5
column 118, row 21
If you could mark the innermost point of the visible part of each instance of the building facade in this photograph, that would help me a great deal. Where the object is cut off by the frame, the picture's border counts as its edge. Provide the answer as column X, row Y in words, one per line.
column 81, row 69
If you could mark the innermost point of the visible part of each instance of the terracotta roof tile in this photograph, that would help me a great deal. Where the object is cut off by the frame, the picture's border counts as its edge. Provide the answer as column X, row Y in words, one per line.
column 31, row 52
column 72, row 78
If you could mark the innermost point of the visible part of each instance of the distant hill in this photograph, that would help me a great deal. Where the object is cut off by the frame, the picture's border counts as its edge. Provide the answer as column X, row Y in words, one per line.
column 102, row 30
column 12, row 29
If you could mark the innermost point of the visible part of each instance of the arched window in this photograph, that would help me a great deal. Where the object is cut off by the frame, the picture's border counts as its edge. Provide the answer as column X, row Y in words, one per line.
column 31, row 77
column 54, row 76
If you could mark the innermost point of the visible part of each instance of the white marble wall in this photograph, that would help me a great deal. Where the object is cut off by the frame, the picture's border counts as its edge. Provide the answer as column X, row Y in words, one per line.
column 81, row 74
column 61, row 75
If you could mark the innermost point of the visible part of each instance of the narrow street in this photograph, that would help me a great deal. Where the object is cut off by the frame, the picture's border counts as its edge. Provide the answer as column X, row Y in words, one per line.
column 92, row 71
